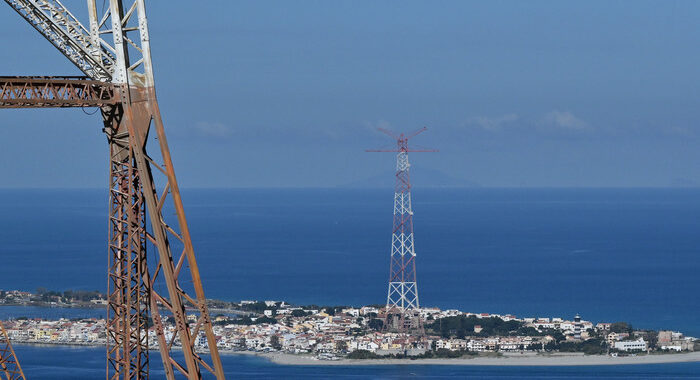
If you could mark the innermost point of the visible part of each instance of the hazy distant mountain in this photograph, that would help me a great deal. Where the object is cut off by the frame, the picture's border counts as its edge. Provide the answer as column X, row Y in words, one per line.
column 425, row 178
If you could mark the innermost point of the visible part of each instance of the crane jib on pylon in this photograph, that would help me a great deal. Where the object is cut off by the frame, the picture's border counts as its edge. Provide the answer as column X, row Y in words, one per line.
column 113, row 52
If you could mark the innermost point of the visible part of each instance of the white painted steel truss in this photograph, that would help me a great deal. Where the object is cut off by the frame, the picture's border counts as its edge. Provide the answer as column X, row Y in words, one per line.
column 402, row 296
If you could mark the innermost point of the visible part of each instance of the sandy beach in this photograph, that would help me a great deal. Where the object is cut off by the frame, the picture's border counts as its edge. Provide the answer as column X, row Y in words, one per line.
column 505, row 360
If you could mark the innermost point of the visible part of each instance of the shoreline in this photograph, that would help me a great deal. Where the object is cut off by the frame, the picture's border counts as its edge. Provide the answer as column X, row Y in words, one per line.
column 506, row 360
column 529, row 360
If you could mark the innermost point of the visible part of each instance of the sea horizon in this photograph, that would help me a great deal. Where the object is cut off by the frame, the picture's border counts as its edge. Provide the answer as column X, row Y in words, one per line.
column 567, row 251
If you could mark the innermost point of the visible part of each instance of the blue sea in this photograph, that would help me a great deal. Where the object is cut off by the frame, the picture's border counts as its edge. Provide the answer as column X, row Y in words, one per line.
column 56, row 362
column 608, row 254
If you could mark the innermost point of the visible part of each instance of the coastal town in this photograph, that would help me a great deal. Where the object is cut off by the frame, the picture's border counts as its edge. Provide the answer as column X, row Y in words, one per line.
column 336, row 332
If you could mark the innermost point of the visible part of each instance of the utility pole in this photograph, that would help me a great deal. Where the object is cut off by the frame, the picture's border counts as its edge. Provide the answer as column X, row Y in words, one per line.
column 402, row 313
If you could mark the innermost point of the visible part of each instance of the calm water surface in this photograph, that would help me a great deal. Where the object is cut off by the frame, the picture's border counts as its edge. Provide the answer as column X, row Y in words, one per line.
column 611, row 255
column 89, row 363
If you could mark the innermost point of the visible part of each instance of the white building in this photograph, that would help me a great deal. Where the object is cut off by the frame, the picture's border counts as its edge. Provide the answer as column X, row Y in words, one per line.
column 368, row 309
column 476, row 345
column 634, row 345
column 352, row 311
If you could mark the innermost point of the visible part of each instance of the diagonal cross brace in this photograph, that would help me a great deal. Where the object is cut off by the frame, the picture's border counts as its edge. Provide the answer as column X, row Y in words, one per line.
column 67, row 34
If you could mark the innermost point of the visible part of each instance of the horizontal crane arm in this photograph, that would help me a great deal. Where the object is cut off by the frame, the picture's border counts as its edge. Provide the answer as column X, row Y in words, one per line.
column 45, row 92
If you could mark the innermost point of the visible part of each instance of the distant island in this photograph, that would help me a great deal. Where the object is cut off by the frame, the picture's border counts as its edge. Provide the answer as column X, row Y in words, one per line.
column 312, row 334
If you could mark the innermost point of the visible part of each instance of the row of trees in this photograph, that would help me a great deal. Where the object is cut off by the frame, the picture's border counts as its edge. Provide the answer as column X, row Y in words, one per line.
column 439, row 353
column 45, row 295
column 246, row 321
column 594, row 346
column 461, row 326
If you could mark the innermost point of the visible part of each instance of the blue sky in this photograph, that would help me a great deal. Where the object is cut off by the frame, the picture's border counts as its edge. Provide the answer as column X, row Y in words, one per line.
column 288, row 93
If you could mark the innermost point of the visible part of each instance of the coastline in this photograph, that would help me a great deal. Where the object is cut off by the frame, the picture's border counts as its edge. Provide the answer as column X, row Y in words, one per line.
column 508, row 359
column 503, row 358
column 544, row 360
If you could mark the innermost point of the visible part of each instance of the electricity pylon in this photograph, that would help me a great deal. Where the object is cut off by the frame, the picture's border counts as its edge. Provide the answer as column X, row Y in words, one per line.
column 114, row 54
column 402, row 312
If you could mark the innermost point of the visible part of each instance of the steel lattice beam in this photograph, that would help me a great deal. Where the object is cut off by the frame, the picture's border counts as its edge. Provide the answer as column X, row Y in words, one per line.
column 121, row 84
column 67, row 34
column 128, row 293
column 402, row 311
column 9, row 366
column 44, row 92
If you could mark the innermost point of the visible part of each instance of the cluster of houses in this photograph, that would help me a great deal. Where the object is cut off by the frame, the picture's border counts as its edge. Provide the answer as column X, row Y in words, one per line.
column 62, row 331
column 327, row 333
column 15, row 297
column 493, row 344
column 674, row 341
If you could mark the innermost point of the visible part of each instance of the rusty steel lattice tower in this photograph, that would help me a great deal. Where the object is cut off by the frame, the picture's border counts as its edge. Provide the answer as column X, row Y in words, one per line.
column 114, row 54
column 9, row 366
column 402, row 312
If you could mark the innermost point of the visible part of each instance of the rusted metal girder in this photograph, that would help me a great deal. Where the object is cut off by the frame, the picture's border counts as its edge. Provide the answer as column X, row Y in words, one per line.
column 133, row 192
column 174, row 246
column 121, row 83
column 42, row 92
column 9, row 366
column 128, row 289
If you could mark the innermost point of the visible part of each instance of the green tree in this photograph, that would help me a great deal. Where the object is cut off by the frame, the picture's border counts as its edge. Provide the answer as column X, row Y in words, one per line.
column 299, row 313
column 551, row 346
column 621, row 327
column 461, row 326
column 589, row 347
column 445, row 353
column 257, row 307
column 363, row 354
column 376, row 324
column 652, row 338
column 533, row 347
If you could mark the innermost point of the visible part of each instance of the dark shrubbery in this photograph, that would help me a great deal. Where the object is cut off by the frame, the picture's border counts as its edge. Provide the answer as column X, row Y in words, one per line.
column 589, row 347
column 375, row 324
column 299, row 313
column 363, row 354
column 621, row 327
column 257, row 307
column 461, row 326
